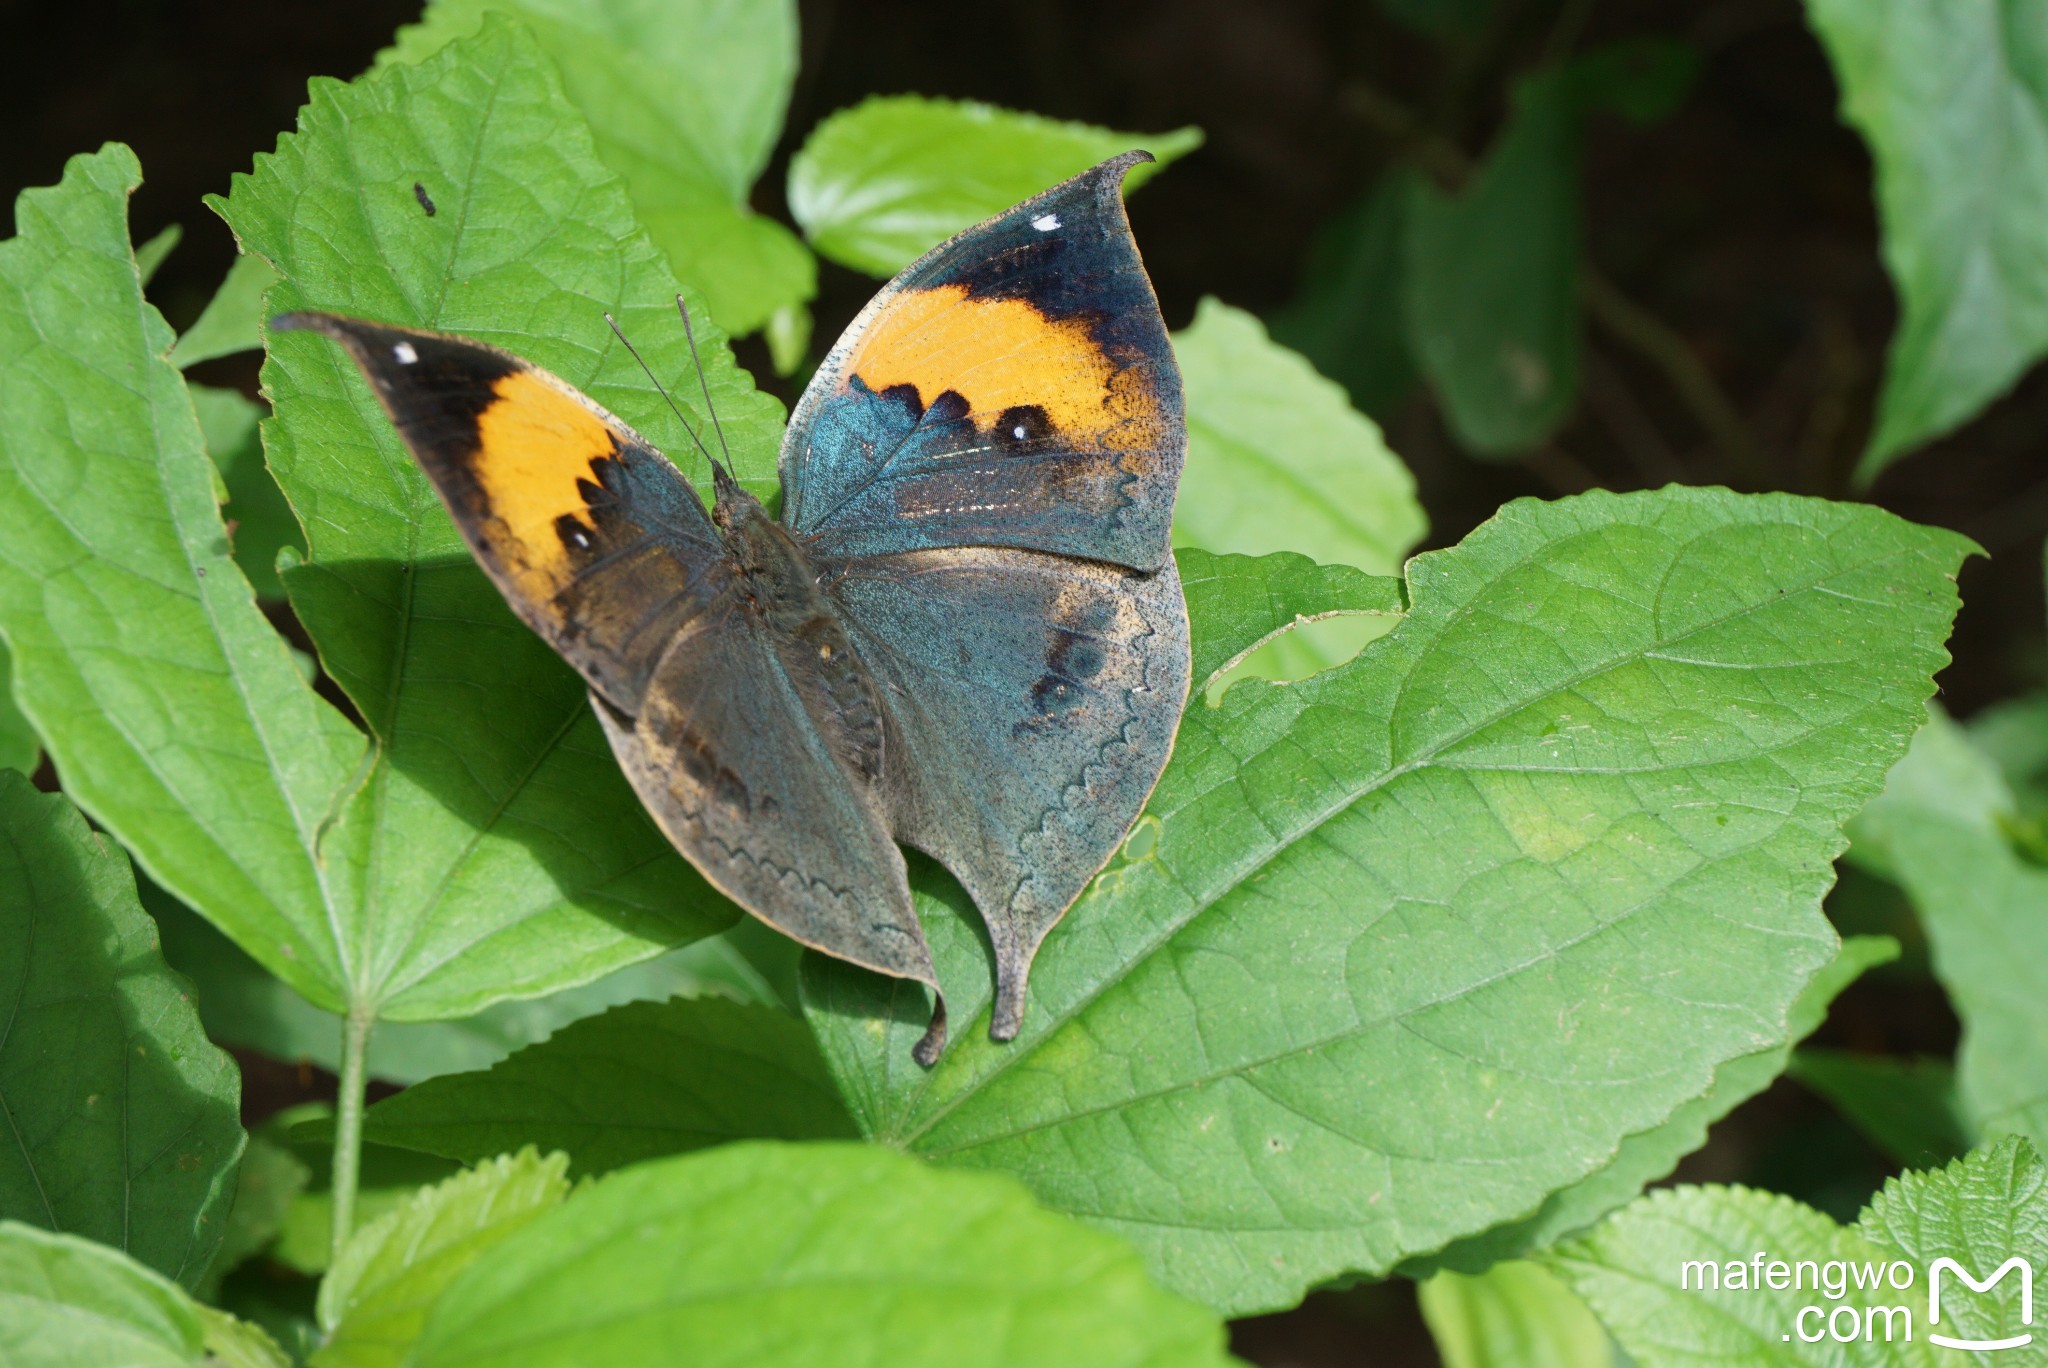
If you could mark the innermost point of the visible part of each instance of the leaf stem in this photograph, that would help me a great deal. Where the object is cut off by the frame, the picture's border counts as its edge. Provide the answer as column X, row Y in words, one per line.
column 348, row 1123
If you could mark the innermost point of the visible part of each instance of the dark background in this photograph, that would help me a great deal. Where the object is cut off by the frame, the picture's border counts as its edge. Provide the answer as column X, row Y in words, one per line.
column 1745, row 222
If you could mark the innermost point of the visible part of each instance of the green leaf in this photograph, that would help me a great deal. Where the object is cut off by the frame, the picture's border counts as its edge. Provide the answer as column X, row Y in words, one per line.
column 229, row 323
column 1937, row 831
column 1240, row 603
column 879, row 184
column 497, row 850
column 267, row 1182
column 641, row 1081
column 1645, row 1157
column 1346, row 313
column 1952, row 97
column 260, row 521
column 65, row 1301
column 19, row 748
column 243, row 1005
column 685, row 101
column 1514, row 1315
column 1491, row 290
column 2013, row 733
column 1491, row 282
column 1906, row 1107
column 1629, row 1269
column 123, row 1116
column 820, row 1253
column 176, row 715
column 236, row 1343
column 375, row 1299
column 1691, row 1275
column 1419, row 941
column 1278, row 460
column 1989, row 1206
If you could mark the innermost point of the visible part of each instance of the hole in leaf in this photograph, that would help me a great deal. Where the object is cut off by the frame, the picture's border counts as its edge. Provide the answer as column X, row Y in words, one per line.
column 1304, row 650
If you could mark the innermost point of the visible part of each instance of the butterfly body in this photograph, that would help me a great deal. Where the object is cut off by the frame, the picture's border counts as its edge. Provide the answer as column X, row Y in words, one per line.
column 965, row 634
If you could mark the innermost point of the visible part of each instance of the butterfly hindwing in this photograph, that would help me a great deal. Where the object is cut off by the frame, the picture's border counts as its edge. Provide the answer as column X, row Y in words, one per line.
column 1035, row 698
column 743, row 753
column 1013, row 387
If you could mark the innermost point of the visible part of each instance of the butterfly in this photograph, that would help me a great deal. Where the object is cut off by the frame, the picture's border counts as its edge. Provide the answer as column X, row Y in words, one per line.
column 965, row 633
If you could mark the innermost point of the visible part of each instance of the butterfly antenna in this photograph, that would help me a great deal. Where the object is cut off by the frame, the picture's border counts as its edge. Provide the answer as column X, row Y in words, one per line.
column 691, row 333
column 620, row 334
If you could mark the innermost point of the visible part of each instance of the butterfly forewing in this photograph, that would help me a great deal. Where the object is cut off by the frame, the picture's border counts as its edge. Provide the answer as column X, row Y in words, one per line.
column 1014, row 387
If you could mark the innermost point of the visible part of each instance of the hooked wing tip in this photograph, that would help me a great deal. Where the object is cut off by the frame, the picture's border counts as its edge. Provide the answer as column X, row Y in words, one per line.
column 933, row 1043
column 307, row 320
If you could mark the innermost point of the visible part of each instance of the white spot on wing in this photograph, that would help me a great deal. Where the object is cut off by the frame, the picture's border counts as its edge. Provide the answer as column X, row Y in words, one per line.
column 405, row 354
column 1045, row 223
column 1018, row 432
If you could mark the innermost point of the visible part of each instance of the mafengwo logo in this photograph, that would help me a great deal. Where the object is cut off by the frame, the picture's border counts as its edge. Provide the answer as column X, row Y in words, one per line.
column 1873, row 1302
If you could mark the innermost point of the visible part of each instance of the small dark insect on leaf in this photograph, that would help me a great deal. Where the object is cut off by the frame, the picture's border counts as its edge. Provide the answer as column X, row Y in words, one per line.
column 419, row 192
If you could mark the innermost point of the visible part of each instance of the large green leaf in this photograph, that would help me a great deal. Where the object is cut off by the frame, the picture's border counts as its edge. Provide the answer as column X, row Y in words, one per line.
column 121, row 1118
column 1952, row 96
column 1938, row 831
column 641, row 1081
column 877, row 185
column 65, row 1302
column 1278, row 460
column 685, row 99
column 1649, row 1155
column 1730, row 1275
column 375, row 1300
column 176, row 715
column 19, row 748
column 496, row 849
column 1419, row 941
column 764, row 1254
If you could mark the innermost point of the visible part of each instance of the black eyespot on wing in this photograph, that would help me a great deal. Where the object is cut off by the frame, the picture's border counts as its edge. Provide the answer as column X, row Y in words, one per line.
column 906, row 395
column 950, row 407
column 1076, row 656
column 1022, row 425
column 1053, row 693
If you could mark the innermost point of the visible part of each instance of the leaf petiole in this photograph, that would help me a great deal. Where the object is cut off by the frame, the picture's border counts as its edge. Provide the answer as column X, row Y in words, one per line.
column 348, row 1128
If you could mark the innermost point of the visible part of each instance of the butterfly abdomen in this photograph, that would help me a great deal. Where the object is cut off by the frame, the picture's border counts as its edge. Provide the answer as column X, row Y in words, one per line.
column 779, row 586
